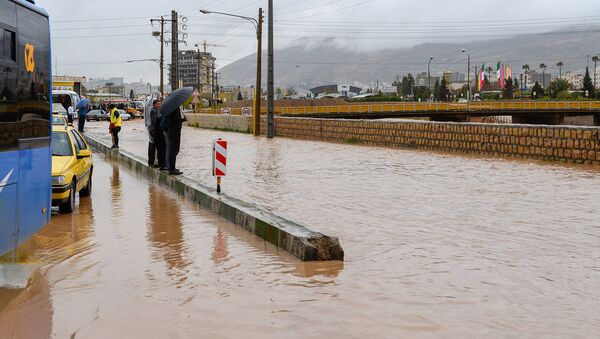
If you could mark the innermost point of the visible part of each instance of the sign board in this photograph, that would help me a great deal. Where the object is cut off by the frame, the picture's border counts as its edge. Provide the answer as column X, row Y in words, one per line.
column 246, row 110
column 219, row 158
column 226, row 110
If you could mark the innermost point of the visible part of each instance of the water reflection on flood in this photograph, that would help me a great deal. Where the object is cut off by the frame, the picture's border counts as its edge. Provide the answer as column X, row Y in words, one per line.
column 436, row 246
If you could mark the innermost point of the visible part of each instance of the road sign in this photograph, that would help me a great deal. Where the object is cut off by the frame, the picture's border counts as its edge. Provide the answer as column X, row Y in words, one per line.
column 226, row 110
column 219, row 158
column 246, row 110
column 219, row 161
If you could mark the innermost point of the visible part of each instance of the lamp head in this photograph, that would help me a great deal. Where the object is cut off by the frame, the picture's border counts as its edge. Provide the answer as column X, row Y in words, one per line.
column 203, row 11
column 464, row 50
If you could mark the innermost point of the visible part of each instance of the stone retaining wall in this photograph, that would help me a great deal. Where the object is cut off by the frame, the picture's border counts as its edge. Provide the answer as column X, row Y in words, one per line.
column 301, row 242
column 577, row 144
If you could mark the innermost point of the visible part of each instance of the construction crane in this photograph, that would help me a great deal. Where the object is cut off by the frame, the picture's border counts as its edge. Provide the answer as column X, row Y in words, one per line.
column 206, row 44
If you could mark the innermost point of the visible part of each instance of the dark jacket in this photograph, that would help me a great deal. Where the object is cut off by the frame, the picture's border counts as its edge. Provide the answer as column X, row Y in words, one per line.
column 172, row 121
column 154, row 122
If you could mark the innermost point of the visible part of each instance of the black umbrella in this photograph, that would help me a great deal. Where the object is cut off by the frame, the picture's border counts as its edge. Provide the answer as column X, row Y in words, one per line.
column 176, row 99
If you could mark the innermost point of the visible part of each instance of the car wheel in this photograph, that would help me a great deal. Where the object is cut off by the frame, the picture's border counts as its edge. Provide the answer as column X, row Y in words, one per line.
column 69, row 205
column 87, row 190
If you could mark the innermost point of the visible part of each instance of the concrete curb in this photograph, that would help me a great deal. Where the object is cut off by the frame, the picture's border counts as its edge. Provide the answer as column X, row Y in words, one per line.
column 298, row 240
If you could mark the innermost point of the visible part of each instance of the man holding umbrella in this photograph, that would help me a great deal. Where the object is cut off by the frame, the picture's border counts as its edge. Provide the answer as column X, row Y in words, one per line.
column 172, row 119
column 83, row 107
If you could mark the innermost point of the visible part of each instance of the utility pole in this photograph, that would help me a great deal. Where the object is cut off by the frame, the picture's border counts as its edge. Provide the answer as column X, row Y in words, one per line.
column 198, row 67
column 258, row 89
column 217, row 86
column 475, row 84
column 161, row 35
column 468, row 75
column 212, row 83
column 270, row 80
column 174, row 51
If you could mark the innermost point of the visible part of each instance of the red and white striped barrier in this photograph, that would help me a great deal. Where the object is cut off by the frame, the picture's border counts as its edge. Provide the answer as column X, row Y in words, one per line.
column 219, row 161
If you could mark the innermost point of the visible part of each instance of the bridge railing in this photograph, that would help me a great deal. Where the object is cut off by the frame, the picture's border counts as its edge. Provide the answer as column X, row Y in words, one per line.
column 427, row 107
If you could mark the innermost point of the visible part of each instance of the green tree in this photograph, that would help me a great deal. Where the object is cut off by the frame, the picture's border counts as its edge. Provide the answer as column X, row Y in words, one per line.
column 543, row 68
column 290, row 91
column 398, row 86
column 538, row 90
column 588, row 85
column 407, row 84
column 436, row 90
column 131, row 95
column 239, row 96
column 559, row 88
column 560, row 64
column 444, row 90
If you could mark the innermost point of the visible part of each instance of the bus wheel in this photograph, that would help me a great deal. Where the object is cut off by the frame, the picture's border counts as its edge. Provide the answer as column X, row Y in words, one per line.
column 69, row 205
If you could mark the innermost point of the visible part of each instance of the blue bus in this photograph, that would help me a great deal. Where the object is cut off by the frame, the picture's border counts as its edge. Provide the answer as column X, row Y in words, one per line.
column 25, row 122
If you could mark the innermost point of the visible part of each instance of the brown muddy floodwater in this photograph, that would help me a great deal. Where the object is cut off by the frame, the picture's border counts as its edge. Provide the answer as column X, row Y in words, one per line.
column 436, row 245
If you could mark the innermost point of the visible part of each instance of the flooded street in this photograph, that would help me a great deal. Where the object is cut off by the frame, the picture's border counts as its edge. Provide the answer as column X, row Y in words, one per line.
column 436, row 245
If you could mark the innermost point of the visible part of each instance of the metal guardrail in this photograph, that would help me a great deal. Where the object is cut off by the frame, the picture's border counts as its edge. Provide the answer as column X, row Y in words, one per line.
column 428, row 107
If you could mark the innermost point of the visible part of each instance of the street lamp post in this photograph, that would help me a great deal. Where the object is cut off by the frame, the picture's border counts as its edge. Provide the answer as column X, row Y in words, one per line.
column 468, row 74
column 258, row 27
column 429, row 74
column 160, row 64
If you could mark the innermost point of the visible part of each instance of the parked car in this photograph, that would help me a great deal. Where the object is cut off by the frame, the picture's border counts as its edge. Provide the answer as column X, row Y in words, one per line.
column 135, row 113
column 97, row 115
column 124, row 115
column 72, row 167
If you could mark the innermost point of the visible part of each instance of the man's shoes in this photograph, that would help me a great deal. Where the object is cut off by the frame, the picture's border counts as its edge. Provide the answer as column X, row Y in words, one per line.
column 175, row 172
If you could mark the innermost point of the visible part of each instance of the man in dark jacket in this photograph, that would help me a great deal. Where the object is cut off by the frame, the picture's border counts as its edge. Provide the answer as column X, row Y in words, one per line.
column 156, row 144
column 171, row 127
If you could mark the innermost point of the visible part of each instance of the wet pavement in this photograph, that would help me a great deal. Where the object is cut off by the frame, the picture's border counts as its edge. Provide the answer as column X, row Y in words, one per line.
column 436, row 245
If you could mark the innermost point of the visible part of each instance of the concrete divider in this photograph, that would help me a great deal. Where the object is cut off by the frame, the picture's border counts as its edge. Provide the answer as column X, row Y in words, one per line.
column 296, row 239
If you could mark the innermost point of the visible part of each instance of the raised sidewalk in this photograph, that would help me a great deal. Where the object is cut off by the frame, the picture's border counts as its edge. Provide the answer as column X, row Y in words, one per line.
column 298, row 240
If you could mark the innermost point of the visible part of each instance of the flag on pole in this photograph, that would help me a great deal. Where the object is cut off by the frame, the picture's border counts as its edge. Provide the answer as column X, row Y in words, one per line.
column 498, row 75
column 482, row 77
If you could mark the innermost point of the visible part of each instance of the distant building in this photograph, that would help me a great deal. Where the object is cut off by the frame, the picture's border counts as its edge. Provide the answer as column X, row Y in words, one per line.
column 114, row 86
column 575, row 79
column 197, row 68
column 140, row 89
column 422, row 80
column 457, row 78
column 336, row 90
column 543, row 78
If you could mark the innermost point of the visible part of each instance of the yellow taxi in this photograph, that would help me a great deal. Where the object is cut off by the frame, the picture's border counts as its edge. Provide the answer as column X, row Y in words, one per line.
column 58, row 119
column 72, row 167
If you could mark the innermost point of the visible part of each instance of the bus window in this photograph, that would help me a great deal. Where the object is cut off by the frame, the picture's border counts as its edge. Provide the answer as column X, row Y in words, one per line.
column 8, row 45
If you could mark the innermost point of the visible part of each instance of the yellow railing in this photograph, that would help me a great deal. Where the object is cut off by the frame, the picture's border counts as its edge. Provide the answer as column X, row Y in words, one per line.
column 427, row 107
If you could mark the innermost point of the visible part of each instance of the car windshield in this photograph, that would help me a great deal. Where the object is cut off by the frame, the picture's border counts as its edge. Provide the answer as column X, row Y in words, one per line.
column 58, row 120
column 61, row 145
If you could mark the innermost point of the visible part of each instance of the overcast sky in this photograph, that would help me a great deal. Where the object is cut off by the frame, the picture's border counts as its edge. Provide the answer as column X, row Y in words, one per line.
column 96, row 38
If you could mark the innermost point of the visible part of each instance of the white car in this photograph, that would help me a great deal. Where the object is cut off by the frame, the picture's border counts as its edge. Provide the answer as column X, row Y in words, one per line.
column 124, row 115
column 58, row 108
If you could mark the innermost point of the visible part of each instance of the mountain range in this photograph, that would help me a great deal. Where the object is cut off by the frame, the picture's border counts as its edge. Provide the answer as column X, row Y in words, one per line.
column 305, row 66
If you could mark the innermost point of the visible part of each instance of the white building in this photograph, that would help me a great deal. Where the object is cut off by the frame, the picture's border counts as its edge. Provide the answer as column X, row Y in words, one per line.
column 575, row 79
